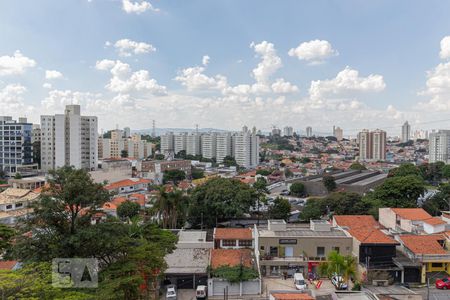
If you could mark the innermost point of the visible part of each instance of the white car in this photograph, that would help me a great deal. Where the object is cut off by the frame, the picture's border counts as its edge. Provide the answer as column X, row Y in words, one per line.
column 299, row 281
column 338, row 282
column 171, row 293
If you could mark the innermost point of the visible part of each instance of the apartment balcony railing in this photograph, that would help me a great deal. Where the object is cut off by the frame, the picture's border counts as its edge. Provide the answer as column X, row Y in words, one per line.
column 293, row 258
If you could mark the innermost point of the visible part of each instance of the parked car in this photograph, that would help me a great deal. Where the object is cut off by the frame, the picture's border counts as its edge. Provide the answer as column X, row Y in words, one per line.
column 171, row 293
column 299, row 281
column 202, row 292
column 284, row 193
column 443, row 283
column 338, row 282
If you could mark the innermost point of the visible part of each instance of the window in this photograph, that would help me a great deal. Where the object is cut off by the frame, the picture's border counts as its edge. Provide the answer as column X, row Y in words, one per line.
column 18, row 205
column 245, row 243
column 436, row 265
column 320, row 251
column 228, row 243
column 9, row 206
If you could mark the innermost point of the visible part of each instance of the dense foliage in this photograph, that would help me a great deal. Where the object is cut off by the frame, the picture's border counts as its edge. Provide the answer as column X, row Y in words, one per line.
column 357, row 166
column 280, row 209
column 174, row 176
column 297, row 189
column 329, row 183
column 235, row 274
column 128, row 210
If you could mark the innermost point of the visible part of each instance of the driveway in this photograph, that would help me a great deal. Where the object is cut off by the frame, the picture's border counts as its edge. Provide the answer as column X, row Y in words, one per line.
column 434, row 294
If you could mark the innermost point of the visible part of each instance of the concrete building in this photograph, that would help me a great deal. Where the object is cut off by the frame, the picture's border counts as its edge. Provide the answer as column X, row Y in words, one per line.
column 36, row 134
column 126, row 132
column 134, row 147
column 167, row 142
column 154, row 169
column 223, row 146
column 338, row 133
column 193, row 144
column 372, row 145
column 406, row 132
column 439, row 146
column 246, row 149
column 69, row 139
column 209, row 145
column 112, row 170
column 180, row 142
column 16, row 149
column 309, row 131
column 14, row 204
column 288, row 131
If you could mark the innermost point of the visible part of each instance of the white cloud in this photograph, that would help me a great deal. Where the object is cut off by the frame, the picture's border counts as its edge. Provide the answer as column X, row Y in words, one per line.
column 16, row 64
column 314, row 52
column 205, row 60
column 445, row 48
column 269, row 64
column 283, row 87
column 127, row 47
column 438, row 87
column 137, row 7
column 346, row 81
column 193, row 78
column 11, row 100
column 47, row 85
column 123, row 80
column 53, row 74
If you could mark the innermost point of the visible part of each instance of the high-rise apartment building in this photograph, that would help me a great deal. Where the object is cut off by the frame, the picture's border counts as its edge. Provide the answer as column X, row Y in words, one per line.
column 69, row 139
column 118, row 146
column 440, row 146
column 180, row 142
column 246, row 149
column 406, row 132
column 126, row 132
column 288, row 131
column 36, row 134
column 309, row 131
column 338, row 133
column 223, row 146
column 372, row 145
column 15, row 144
column 193, row 145
column 209, row 145
column 167, row 142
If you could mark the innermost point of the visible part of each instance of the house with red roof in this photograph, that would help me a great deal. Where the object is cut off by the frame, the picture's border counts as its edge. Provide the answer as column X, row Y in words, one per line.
column 233, row 238
column 126, row 186
column 412, row 220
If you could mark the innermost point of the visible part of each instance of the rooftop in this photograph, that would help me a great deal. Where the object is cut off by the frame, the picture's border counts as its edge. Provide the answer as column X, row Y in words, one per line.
column 302, row 232
column 233, row 234
column 413, row 214
column 187, row 261
column 292, row 296
column 368, row 235
column 424, row 244
column 356, row 221
column 12, row 195
column 127, row 182
column 231, row 257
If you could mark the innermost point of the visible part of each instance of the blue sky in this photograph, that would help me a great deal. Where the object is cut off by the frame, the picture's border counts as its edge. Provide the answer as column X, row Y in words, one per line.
column 363, row 64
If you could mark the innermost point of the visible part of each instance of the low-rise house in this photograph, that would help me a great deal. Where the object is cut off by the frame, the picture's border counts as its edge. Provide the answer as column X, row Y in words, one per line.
column 290, row 295
column 127, row 186
column 290, row 248
column 27, row 183
column 14, row 204
column 233, row 238
column 10, row 265
column 412, row 220
column 373, row 248
column 154, row 169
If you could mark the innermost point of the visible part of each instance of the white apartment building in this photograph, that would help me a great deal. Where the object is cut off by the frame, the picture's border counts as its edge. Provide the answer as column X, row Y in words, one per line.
column 246, row 149
column 180, row 141
column 364, row 145
column 69, row 139
column 223, row 146
column 338, row 133
column 439, row 146
column 406, row 132
column 114, row 147
column 209, row 145
column 193, row 146
column 36, row 133
column 309, row 131
column 167, row 142
column 288, row 131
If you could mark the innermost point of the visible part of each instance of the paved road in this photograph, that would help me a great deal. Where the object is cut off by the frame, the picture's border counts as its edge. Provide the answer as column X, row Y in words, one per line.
column 435, row 294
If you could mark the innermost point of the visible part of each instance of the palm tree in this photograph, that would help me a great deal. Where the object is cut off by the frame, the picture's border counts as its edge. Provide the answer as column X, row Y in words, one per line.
column 344, row 266
column 170, row 207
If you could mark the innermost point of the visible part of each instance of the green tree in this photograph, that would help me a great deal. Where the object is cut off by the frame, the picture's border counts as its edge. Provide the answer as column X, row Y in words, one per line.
column 220, row 198
column 432, row 172
column 297, row 189
column 181, row 154
column 263, row 172
column 404, row 170
column 6, row 236
column 235, row 274
column 124, row 153
column 174, row 176
column 128, row 210
column 281, row 209
column 197, row 173
column 229, row 161
column 159, row 156
column 17, row 176
column 357, row 166
column 329, row 183
column 446, row 171
column 344, row 266
column 171, row 208
column 399, row 191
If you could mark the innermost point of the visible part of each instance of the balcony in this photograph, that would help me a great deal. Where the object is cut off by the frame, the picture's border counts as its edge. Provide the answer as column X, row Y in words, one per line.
column 293, row 258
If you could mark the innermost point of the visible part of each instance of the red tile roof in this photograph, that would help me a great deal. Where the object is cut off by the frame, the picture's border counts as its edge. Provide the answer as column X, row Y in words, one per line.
column 7, row 264
column 424, row 244
column 356, row 221
column 371, row 235
column 413, row 214
column 231, row 257
column 435, row 221
column 127, row 182
column 292, row 296
column 233, row 234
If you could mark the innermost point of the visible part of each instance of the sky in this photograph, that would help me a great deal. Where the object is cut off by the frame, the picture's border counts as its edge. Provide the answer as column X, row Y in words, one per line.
column 225, row 64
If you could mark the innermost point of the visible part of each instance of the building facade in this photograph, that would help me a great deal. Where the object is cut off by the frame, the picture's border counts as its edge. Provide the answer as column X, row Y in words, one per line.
column 209, row 145
column 439, row 146
column 288, row 131
column 69, row 139
column 309, row 131
column 372, row 145
column 406, row 132
column 193, row 145
column 15, row 144
column 167, row 142
column 223, row 146
column 246, row 149
column 339, row 133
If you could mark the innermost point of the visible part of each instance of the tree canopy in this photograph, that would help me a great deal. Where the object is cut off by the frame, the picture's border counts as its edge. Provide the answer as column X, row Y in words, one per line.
column 128, row 210
column 280, row 209
column 357, row 166
column 329, row 183
column 297, row 189
column 174, row 176
column 219, row 199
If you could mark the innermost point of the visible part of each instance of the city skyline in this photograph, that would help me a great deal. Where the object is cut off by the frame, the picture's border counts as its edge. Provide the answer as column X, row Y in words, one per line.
column 128, row 62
